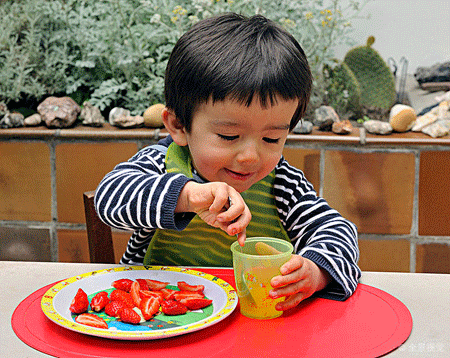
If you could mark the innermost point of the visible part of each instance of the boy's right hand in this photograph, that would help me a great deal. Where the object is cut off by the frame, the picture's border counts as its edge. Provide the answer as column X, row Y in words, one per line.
column 211, row 202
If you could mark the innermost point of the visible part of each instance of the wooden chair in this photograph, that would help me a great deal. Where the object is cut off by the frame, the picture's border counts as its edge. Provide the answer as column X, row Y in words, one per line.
column 101, row 249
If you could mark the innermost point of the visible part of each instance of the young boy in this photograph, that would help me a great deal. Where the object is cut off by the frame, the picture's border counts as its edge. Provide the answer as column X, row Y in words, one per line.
column 235, row 87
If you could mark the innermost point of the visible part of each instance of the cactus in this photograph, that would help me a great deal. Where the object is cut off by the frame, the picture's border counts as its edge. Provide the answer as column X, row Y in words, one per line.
column 344, row 93
column 374, row 76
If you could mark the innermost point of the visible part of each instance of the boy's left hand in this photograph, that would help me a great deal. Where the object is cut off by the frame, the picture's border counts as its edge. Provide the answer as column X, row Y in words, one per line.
column 299, row 279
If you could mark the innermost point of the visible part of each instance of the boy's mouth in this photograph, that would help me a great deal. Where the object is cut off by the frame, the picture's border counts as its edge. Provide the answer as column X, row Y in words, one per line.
column 238, row 176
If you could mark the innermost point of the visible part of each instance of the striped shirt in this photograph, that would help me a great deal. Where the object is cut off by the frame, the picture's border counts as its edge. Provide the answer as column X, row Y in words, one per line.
column 139, row 195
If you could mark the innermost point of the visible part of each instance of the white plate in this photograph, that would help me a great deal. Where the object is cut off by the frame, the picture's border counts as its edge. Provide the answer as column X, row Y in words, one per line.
column 56, row 301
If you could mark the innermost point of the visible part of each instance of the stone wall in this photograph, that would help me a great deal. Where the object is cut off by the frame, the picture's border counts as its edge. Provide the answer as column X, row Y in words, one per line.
column 394, row 188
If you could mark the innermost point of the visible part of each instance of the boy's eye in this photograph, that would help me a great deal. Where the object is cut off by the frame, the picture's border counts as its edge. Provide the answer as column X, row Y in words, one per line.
column 271, row 140
column 228, row 137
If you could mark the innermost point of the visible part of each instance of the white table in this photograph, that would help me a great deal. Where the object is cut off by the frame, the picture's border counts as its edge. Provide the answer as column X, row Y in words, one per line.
column 427, row 296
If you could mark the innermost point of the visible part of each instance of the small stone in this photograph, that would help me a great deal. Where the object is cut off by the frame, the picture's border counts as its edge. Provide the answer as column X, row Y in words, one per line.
column 402, row 117
column 444, row 110
column 153, row 116
column 377, row 127
column 342, row 127
column 117, row 112
column 3, row 109
column 324, row 117
column 33, row 120
column 91, row 116
column 423, row 121
column 129, row 121
column 303, row 127
column 12, row 120
column 59, row 112
column 444, row 122
column 439, row 72
column 436, row 130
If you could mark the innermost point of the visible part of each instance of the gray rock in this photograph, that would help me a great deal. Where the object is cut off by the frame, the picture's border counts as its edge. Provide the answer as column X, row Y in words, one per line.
column 59, row 112
column 12, row 120
column 377, row 127
column 129, row 121
column 303, row 127
column 439, row 72
column 91, row 116
column 324, row 117
column 117, row 112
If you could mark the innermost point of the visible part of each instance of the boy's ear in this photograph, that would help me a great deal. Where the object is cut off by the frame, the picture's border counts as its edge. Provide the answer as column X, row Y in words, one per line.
column 174, row 127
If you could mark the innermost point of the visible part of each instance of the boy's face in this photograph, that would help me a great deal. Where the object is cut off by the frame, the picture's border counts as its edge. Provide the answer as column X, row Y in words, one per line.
column 239, row 145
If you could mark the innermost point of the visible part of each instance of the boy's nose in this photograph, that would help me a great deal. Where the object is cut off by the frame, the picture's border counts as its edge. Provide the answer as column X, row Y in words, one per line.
column 248, row 153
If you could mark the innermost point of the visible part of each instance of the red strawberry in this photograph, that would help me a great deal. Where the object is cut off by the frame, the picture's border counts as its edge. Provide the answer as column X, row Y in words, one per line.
column 168, row 293
column 195, row 303
column 128, row 315
column 123, row 284
column 183, row 286
column 119, row 295
column 179, row 295
column 149, row 307
column 80, row 302
column 173, row 308
column 134, row 292
column 112, row 309
column 90, row 319
column 99, row 301
column 146, row 294
column 155, row 285
column 143, row 284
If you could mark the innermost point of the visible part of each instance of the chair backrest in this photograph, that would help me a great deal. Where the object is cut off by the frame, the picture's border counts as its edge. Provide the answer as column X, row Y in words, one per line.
column 101, row 249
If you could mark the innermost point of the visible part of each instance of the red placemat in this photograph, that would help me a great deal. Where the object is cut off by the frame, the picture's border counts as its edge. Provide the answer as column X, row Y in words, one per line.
column 370, row 323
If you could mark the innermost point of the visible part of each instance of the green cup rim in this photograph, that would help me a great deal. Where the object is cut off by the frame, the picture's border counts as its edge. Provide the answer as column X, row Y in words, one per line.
column 263, row 239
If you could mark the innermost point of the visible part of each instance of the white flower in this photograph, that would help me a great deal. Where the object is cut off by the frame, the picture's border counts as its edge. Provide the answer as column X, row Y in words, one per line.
column 156, row 18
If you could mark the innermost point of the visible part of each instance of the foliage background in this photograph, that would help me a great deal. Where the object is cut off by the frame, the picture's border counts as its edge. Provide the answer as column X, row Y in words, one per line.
column 114, row 52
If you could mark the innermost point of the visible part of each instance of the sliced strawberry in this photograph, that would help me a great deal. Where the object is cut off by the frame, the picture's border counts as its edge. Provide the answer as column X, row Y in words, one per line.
column 149, row 307
column 128, row 315
column 173, row 308
column 168, row 293
column 80, row 302
column 195, row 303
column 154, row 285
column 183, row 286
column 179, row 295
column 143, row 284
column 134, row 292
column 119, row 295
column 113, row 308
column 158, row 294
column 99, row 301
column 123, row 284
column 90, row 319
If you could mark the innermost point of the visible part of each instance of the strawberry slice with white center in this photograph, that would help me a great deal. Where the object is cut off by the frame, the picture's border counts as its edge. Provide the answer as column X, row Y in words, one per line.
column 92, row 320
column 149, row 307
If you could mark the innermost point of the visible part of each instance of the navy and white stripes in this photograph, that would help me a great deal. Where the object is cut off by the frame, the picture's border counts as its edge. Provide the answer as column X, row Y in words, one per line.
column 140, row 195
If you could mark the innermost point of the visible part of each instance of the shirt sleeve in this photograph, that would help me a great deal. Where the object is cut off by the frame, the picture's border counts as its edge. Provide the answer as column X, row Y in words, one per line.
column 139, row 194
column 317, row 231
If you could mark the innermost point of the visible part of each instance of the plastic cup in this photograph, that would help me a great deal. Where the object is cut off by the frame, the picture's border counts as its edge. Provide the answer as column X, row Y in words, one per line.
column 253, row 272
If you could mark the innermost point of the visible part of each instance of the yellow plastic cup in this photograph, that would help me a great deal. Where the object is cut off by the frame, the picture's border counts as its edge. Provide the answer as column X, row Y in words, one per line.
column 255, row 264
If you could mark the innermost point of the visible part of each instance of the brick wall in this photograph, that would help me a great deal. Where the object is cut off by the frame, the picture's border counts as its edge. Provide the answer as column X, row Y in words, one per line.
column 394, row 188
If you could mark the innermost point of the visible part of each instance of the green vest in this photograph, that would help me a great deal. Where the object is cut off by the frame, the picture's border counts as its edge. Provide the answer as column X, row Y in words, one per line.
column 200, row 244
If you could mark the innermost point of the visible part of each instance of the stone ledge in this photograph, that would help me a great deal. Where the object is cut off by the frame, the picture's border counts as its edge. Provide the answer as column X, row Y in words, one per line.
column 359, row 136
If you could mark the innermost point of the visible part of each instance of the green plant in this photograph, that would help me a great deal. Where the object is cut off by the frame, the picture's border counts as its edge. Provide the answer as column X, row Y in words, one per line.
column 343, row 90
column 374, row 76
column 114, row 52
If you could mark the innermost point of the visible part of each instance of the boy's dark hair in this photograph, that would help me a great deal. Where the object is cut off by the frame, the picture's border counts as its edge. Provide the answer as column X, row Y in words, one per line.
column 234, row 57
